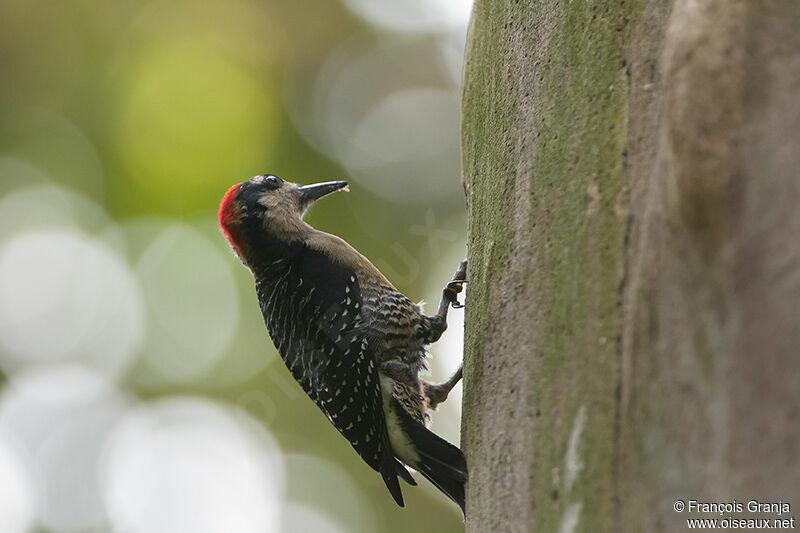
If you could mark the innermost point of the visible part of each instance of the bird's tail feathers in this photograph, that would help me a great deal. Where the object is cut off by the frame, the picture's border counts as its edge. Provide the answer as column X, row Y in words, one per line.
column 440, row 462
column 404, row 474
column 452, row 488
column 389, row 472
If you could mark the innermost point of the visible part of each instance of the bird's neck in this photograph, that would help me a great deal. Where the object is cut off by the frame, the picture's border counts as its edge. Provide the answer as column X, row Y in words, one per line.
column 265, row 248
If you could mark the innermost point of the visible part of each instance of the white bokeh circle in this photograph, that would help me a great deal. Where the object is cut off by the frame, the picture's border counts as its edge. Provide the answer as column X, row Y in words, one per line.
column 190, row 465
column 67, row 295
column 192, row 302
column 17, row 497
column 412, row 160
column 46, row 207
column 397, row 135
column 60, row 415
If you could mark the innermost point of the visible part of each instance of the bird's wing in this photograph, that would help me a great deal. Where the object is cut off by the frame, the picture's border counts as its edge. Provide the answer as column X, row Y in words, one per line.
column 312, row 314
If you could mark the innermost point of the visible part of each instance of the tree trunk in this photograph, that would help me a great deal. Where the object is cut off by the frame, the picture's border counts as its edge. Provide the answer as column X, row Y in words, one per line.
column 633, row 326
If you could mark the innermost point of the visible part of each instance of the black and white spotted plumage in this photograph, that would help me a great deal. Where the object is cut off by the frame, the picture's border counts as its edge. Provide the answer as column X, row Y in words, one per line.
column 353, row 342
column 312, row 309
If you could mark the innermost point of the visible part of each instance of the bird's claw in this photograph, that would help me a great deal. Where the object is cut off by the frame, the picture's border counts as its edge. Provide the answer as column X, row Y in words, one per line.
column 453, row 288
column 456, row 285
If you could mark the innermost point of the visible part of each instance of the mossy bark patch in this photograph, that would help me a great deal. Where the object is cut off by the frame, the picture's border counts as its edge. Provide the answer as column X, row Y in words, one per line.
column 631, row 172
column 544, row 135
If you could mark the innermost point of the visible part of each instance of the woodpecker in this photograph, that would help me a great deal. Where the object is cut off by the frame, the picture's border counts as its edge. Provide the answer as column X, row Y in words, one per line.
column 353, row 342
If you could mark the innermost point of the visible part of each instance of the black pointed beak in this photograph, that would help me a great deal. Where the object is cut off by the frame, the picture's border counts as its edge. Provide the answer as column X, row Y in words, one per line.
column 311, row 193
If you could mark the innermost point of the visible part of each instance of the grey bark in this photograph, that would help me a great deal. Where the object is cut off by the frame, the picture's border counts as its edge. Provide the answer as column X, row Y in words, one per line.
column 633, row 322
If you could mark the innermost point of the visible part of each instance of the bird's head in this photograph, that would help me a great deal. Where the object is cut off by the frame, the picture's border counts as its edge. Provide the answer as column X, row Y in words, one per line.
column 266, row 211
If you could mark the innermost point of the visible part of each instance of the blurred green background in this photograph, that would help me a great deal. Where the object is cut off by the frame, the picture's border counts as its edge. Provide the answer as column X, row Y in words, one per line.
column 139, row 391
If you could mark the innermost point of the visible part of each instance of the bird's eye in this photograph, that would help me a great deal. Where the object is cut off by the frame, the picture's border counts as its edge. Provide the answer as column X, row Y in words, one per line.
column 273, row 182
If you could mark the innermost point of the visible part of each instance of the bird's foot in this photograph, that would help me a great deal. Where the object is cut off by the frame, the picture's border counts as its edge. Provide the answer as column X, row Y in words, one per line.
column 437, row 393
column 450, row 293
